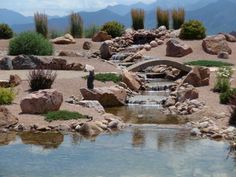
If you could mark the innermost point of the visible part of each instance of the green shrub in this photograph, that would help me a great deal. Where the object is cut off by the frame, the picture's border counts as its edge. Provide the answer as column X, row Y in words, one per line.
column 76, row 25
column 178, row 17
column 91, row 31
column 106, row 77
column 41, row 79
column 30, row 43
column 193, row 29
column 41, row 24
column 226, row 97
column 223, row 76
column 208, row 63
column 162, row 17
column 113, row 28
column 138, row 16
column 5, row 32
column 63, row 115
column 7, row 95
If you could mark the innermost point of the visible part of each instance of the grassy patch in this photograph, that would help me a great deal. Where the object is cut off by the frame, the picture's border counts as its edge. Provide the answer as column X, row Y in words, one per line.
column 208, row 63
column 63, row 115
column 7, row 95
column 105, row 77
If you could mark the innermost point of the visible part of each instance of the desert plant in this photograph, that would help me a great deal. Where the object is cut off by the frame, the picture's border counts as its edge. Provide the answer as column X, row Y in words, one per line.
column 162, row 17
column 91, row 31
column 41, row 24
column 226, row 97
column 5, row 32
column 208, row 63
column 138, row 16
column 193, row 29
column 30, row 43
column 63, row 115
column 223, row 76
column 178, row 17
column 113, row 28
column 41, row 79
column 76, row 25
column 7, row 95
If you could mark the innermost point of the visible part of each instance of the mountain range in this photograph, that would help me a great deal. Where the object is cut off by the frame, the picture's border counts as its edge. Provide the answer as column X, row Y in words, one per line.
column 217, row 15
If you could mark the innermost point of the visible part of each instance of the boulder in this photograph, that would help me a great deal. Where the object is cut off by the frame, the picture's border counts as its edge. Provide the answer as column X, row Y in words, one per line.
column 92, row 104
column 223, row 55
column 229, row 37
column 26, row 62
column 215, row 44
column 175, row 48
column 42, row 101
column 131, row 80
column 105, row 50
column 199, row 76
column 153, row 44
column 6, row 118
column 6, row 64
column 107, row 96
column 14, row 80
column 187, row 94
column 147, row 47
column 66, row 39
column 101, row 36
column 89, row 129
column 87, row 45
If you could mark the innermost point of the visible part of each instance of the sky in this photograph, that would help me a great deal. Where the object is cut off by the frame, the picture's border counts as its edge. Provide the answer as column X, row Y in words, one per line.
column 61, row 7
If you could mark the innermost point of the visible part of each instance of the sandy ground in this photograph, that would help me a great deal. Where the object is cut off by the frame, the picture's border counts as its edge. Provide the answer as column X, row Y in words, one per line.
column 69, row 82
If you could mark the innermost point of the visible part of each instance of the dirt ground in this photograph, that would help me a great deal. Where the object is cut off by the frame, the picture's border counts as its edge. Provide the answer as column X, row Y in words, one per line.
column 70, row 82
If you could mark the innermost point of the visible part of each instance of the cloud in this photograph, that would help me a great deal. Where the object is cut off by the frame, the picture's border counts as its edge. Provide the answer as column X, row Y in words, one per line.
column 61, row 7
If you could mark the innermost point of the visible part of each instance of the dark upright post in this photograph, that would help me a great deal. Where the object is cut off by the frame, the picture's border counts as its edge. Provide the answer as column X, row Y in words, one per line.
column 90, row 80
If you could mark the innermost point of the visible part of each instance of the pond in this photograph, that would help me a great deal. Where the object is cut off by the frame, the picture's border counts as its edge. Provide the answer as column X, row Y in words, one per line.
column 139, row 151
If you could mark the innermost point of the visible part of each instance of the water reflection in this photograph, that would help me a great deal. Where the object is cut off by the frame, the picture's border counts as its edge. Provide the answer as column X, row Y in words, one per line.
column 138, row 138
column 49, row 140
column 6, row 138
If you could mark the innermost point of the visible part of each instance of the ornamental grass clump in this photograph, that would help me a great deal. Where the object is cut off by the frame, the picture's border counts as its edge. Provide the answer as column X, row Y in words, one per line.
column 223, row 76
column 41, row 24
column 76, row 25
column 7, row 95
column 41, row 79
column 162, row 17
column 178, row 17
column 138, row 16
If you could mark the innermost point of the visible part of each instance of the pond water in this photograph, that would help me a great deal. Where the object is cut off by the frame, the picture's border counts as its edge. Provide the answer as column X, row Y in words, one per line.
column 135, row 152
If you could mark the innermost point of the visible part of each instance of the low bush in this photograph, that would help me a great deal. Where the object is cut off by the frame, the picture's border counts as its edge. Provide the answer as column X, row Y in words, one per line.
column 30, row 43
column 113, row 28
column 91, row 31
column 63, row 115
column 7, row 95
column 76, row 25
column 162, row 17
column 5, row 32
column 178, row 17
column 41, row 79
column 106, row 77
column 138, row 16
column 193, row 29
column 208, row 63
column 226, row 97
column 41, row 24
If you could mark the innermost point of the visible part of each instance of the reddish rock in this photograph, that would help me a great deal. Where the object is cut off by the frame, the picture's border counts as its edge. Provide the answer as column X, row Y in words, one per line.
column 175, row 48
column 107, row 96
column 6, row 118
column 131, row 80
column 42, row 101
column 15, row 80
column 87, row 45
column 101, row 36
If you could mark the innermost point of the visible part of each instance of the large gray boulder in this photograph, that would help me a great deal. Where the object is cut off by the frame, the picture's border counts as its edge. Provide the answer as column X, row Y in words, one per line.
column 216, row 44
column 6, row 63
column 176, row 48
column 26, row 62
column 105, row 50
column 42, row 101
column 107, row 96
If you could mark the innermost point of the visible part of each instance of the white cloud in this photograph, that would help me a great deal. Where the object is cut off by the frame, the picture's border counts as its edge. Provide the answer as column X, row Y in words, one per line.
column 61, row 7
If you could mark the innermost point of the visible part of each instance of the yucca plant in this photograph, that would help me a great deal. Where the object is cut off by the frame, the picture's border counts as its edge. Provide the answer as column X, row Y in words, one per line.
column 41, row 24
column 178, row 17
column 162, row 17
column 76, row 25
column 138, row 16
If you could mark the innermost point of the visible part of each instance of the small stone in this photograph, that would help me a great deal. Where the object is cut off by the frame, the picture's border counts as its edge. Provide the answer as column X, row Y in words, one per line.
column 195, row 132
column 147, row 47
column 113, row 124
column 216, row 136
column 87, row 45
column 223, row 55
column 153, row 44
